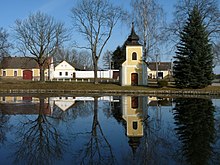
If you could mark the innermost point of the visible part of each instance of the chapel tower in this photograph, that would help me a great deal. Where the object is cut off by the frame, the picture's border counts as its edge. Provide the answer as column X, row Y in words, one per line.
column 133, row 68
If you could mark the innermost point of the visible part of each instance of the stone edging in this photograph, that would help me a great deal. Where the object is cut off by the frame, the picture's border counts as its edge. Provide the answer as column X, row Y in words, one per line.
column 48, row 91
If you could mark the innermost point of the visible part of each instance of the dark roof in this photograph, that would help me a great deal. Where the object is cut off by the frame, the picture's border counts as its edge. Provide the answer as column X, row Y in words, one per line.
column 132, row 38
column 19, row 63
column 161, row 66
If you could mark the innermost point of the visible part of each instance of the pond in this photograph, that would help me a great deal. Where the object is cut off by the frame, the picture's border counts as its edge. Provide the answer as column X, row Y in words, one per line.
column 109, row 130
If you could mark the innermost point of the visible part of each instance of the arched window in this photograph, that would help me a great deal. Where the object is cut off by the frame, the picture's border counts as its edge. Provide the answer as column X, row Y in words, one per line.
column 134, row 56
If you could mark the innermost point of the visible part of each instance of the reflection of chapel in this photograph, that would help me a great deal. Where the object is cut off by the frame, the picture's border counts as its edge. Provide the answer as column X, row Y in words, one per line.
column 133, row 69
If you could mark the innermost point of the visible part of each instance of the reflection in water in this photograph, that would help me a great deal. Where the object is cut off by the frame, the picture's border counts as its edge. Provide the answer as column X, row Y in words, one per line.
column 108, row 130
column 4, row 127
column 195, row 128
column 132, row 113
column 97, row 149
column 38, row 141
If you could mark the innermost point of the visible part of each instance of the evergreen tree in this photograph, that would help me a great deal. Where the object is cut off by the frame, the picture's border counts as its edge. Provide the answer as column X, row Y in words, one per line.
column 118, row 57
column 194, row 59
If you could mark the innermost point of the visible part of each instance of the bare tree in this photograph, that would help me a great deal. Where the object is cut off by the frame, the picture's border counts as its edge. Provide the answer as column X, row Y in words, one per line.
column 39, row 35
column 78, row 59
column 107, row 59
column 210, row 15
column 65, row 54
column 4, row 44
column 95, row 20
column 148, row 16
column 84, row 60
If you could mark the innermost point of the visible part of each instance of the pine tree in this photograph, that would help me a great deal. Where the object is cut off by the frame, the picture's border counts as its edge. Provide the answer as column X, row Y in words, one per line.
column 117, row 57
column 194, row 59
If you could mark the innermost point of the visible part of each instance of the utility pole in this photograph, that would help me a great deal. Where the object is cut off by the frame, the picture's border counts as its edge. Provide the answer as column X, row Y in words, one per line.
column 156, row 67
column 110, row 67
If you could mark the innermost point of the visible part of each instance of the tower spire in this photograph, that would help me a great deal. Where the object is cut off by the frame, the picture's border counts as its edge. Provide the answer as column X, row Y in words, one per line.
column 133, row 37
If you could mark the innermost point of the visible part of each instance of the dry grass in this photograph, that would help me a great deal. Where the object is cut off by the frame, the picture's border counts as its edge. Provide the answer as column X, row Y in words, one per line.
column 12, row 84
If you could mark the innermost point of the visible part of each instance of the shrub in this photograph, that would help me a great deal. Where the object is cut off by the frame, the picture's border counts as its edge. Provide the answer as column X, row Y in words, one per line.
column 162, row 83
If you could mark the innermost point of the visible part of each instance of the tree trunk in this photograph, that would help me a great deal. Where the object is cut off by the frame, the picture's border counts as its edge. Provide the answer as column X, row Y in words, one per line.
column 95, row 117
column 41, row 73
column 95, row 63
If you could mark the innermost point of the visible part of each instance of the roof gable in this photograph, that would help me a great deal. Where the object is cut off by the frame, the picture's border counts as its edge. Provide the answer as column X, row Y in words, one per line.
column 64, row 65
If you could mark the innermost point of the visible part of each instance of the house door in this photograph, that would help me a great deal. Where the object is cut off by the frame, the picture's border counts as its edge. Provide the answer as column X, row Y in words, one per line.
column 27, row 75
column 160, row 75
column 74, row 75
column 134, row 79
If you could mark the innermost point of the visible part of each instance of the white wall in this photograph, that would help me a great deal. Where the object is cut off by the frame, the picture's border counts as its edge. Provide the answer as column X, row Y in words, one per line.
column 90, row 74
column 63, row 70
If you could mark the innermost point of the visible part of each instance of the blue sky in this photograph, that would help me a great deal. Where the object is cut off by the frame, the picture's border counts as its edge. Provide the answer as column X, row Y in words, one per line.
column 60, row 10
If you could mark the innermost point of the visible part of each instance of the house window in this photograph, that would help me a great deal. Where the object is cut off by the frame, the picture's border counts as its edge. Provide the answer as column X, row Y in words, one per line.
column 4, row 73
column 15, row 73
column 135, row 125
column 134, row 56
column 66, row 74
column 60, row 73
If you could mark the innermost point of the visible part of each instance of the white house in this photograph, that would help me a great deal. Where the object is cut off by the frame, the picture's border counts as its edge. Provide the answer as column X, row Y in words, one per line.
column 64, row 70
column 163, row 69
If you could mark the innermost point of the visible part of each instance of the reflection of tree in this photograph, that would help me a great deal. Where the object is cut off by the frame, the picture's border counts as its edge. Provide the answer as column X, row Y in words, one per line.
column 217, row 139
column 4, row 127
column 38, row 141
column 195, row 128
column 97, row 150
column 157, row 142
column 77, row 110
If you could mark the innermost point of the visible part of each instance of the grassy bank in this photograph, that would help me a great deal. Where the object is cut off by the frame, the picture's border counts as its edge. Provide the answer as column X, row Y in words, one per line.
column 85, row 87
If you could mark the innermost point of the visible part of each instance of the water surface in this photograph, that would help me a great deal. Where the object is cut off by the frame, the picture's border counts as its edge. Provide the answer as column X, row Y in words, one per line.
column 109, row 130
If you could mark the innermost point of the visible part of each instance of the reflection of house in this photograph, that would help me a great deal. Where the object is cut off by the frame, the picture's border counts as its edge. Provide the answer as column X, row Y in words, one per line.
column 64, row 70
column 163, row 68
column 133, row 69
column 23, row 68
column 156, row 101
column 31, row 105
column 64, row 103
column 24, row 105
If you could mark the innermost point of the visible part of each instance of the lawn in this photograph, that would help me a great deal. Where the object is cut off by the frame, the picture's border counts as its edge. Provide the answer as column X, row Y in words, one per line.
column 101, row 87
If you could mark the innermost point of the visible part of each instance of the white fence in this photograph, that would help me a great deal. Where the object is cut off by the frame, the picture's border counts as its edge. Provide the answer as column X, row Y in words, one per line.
column 90, row 74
